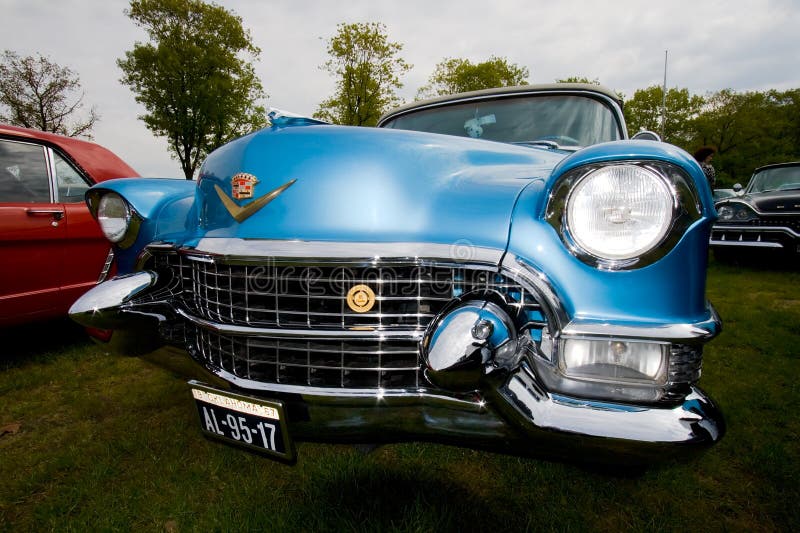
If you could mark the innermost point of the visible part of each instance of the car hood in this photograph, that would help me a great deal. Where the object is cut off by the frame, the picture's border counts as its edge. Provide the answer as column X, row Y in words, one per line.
column 335, row 183
column 774, row 201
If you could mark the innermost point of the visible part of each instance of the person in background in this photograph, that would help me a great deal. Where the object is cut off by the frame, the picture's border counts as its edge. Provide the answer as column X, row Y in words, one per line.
column 704, row 156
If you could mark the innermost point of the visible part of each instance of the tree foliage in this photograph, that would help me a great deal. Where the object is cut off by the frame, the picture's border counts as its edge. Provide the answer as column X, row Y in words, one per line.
column 37, row 93
column 368, row 69
column 455, row 75
column 193, row 77
column 749, row 129
column 643, row 111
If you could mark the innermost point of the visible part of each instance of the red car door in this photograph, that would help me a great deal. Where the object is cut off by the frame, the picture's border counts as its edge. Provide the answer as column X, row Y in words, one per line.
column 32, row 230
column 85, row 249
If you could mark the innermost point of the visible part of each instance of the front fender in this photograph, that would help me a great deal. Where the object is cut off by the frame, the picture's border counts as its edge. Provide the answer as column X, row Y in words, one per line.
column 163, row 209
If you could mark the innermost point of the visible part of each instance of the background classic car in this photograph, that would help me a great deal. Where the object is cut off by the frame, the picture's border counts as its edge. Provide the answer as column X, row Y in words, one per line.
column 764, row 219
column 370, row 285
column 52, row 248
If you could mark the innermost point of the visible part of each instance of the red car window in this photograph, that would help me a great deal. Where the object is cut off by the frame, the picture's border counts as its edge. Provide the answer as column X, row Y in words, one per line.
column 23, row 173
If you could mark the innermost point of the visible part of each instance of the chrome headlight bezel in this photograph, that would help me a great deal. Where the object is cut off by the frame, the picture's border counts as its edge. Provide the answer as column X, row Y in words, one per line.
column 735, row 212
column 131, row 221
column 669, row 179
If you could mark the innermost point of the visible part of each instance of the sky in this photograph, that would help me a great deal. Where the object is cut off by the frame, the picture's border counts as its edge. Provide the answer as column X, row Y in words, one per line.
column 712, row 45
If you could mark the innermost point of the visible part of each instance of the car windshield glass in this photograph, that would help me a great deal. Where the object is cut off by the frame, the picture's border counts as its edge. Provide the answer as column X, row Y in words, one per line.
column 775, row 179
column 568, row 121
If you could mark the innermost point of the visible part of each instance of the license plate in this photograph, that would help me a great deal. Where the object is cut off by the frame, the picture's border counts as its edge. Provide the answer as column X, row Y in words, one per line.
column 253, row 423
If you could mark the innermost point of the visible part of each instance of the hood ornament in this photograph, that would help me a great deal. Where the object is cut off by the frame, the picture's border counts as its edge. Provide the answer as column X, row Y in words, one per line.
column 242, row 187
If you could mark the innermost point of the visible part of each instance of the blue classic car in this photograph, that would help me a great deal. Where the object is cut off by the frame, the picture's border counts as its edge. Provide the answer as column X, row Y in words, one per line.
column 514, row 275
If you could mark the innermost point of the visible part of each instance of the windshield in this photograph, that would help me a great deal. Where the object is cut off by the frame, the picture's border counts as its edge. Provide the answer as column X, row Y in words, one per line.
column 564, row 121
column 775, row 179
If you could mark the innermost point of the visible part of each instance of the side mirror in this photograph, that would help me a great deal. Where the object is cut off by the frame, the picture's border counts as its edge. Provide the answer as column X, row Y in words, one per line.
column 646, row 135
column 737, row 188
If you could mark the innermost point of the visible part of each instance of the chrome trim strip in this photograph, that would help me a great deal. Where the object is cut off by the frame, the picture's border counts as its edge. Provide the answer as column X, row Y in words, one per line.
column 746, row 244
column 539, row 284
column 756, row 229
column 106, row 266
column 675, row 333
column 752, row 207
column 332, row 395
column 336, row 252
column 512, row 92
column 372, row 334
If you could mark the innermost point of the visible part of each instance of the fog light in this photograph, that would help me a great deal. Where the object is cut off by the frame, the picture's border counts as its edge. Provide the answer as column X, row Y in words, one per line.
column 615, row 360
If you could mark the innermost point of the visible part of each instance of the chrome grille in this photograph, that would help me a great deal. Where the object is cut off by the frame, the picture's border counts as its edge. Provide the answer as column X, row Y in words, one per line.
column 685, row 367
column 313, row 298
column 353, row 364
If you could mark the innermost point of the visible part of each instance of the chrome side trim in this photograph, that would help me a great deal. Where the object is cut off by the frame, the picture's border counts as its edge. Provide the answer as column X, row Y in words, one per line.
column 371, row 334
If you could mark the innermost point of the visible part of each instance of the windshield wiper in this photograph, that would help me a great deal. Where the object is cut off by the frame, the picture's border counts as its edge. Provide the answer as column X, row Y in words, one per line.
column 552, row 145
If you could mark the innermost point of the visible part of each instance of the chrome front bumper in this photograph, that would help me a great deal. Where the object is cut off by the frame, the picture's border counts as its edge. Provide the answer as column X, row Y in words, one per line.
column 761, row 237
column 515, row 415
column 510, row 412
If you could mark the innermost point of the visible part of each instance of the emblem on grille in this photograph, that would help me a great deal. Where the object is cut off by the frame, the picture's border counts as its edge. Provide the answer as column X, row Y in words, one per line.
column 360, row 298
column 243, row 185
column 240, row 213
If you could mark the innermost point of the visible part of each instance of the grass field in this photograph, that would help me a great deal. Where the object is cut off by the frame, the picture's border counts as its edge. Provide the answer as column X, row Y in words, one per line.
column 92, row 442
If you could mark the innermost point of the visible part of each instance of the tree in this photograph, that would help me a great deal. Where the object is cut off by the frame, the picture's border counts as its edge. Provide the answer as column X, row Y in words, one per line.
column 37, row 93
column 643, row 111
column 197, row 88
column 453, row 75
column 368, row 70
column 748, row 130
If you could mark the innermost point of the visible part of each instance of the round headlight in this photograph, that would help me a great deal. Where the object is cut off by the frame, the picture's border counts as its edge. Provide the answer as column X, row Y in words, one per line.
column 725, row 212
column 114, row 216
column 620, row 211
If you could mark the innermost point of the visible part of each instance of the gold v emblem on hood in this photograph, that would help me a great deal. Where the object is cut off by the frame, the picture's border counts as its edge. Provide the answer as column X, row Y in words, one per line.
column 240, row 213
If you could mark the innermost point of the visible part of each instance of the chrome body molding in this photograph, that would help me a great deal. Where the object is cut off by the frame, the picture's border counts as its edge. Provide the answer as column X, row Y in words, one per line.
column 696, row 420
column 700, row 332
column 236, row 250
column 106, row 270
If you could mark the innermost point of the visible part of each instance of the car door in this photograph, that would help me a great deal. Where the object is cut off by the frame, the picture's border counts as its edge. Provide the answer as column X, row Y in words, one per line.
column 31, row 232
column 85, row 248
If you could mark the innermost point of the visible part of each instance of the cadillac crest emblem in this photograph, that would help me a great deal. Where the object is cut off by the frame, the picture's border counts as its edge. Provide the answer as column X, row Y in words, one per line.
column 243, row 185
column 360, row 298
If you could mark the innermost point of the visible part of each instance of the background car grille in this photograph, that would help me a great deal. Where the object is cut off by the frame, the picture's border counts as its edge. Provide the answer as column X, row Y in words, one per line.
column 786, row 221
column 314, row 298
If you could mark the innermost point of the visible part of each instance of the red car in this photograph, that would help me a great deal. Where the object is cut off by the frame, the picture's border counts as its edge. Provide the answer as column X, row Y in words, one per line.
column 51, row 249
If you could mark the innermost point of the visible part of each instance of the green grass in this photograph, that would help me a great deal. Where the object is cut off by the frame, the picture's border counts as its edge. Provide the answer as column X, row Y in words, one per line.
column 111, row 443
